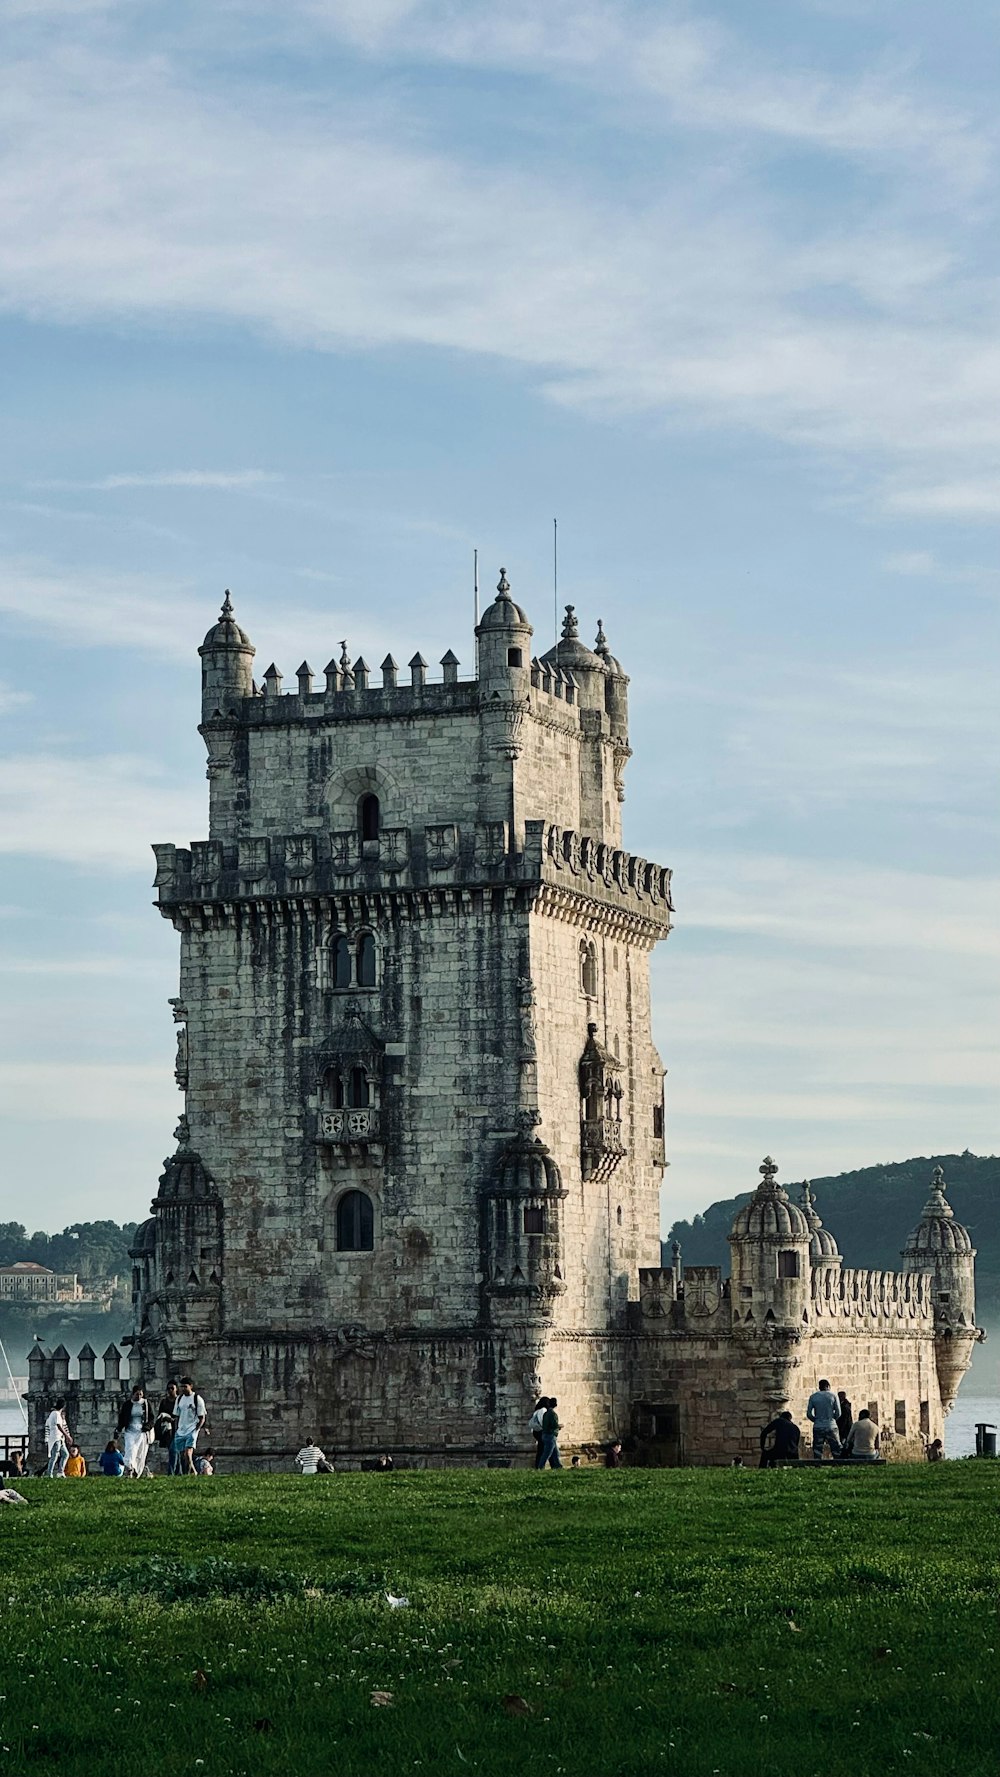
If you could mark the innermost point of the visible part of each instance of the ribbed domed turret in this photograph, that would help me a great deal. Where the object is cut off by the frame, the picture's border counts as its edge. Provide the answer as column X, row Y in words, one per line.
column 527, row 1169
column 770, row 1215
column 937, row 1230
column 503, row 613
column 227, row 632
column 570, row 652
column 823, row 1249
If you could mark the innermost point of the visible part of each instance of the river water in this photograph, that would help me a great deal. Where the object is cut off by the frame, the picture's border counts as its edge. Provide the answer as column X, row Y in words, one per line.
column 959, row 1437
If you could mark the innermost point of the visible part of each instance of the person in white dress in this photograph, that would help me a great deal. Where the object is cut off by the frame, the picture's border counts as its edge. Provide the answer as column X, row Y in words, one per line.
column 135, row 1426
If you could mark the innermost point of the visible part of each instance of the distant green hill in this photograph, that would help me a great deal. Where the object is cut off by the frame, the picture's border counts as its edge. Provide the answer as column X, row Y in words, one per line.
column 871, row 1212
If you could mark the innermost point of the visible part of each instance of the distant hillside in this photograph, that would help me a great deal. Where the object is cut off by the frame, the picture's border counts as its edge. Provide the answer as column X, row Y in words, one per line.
column 871, row 1212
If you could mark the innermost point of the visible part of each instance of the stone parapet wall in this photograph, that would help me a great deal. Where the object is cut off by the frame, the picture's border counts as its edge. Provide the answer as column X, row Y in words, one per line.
column 878, row 1300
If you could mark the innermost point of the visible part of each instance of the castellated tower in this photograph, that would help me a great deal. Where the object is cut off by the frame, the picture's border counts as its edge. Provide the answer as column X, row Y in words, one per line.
column 419, row 1162
column 417, row 1171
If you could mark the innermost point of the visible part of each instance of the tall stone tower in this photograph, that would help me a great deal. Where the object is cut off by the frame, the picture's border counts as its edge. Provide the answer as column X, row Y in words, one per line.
column 419, row 1161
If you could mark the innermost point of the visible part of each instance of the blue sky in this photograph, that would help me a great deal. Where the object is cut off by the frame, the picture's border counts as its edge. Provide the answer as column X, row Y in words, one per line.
column 310, row 300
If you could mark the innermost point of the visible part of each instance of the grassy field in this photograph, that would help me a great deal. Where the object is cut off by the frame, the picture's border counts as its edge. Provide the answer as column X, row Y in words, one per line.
column 709, row 1622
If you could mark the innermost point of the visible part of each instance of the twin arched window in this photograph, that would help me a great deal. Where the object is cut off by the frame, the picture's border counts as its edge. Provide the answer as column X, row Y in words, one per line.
column 355, row 1223
column 355, row 961
column 351, row 1091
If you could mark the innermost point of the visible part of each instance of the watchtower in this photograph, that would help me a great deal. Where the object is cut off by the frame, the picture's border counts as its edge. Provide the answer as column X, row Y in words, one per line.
column 422, row 1142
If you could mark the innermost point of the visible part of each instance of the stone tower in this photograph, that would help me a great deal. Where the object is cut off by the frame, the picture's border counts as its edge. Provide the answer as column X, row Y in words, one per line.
column 419, row 1163
column 941, row 1245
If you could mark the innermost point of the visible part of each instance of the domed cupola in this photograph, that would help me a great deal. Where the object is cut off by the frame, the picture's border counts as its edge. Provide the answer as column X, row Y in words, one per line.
column 937, row 1231
column 939, row 1244
column 521, row 1235
column 226, row 656
column 503, row 637
column 823, row 1249
column 770, row 1239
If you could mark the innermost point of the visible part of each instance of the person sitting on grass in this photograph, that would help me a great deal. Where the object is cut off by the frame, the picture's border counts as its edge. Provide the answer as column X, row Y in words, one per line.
column 76, row 1466
column 112, row 1461
column 935, row 1451
column 613, row 1455
column 205, row 1463
column 862, row 1439
column 310, row 1457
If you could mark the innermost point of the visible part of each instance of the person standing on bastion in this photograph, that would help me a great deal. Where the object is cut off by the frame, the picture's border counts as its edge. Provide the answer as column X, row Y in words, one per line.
column 822, row 1412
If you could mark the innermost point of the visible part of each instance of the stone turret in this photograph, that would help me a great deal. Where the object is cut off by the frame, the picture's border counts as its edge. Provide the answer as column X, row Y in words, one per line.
column 226, row 657
column 520, row 1232
column 504, row 637
column 824, row 1253
column 941, row 1244
column 770, row 1240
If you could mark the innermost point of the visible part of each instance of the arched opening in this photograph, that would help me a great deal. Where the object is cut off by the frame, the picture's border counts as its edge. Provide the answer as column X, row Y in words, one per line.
column 333, row 1090
column 359, row 1090
column 355, row 1223
column 368, row 817
column 366, row 960
column 341, row 962
column 588, row 970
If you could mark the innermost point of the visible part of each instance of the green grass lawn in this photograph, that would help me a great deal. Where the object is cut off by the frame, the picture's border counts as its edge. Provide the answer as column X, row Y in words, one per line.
column 696, row 1622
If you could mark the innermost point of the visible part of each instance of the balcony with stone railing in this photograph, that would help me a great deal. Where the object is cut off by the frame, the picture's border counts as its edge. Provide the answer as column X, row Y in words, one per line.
column 340, row 1126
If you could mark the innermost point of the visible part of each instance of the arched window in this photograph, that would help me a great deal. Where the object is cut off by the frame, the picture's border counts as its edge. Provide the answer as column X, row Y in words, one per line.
column 366, row 960
column 355, row 1223
column 368, row 817
column 359, row 1093
column 588, row 970
column 333, row 1090
column 341, row 962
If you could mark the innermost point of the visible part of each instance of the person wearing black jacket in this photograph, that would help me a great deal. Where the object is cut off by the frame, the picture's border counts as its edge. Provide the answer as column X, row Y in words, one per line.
column 784, row 1446
column 135, row 1426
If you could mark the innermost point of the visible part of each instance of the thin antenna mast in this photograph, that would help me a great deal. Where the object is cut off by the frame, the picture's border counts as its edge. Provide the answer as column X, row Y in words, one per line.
column 475, row 585
column 555, row 579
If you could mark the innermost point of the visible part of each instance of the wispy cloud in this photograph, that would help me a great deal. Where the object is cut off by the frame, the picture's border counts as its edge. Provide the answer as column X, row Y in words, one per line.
column 100, row 813
column 131, row 192
column 214, row 479
column 11, row 699
column 101, row 1092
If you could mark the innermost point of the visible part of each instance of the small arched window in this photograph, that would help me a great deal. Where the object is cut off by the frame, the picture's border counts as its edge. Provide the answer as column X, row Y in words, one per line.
column 359, row 1090
column 355, row 1223
column 368, row 817
column 341, row 962
column 333, row 1090
column 588, row 970
column 366, row 960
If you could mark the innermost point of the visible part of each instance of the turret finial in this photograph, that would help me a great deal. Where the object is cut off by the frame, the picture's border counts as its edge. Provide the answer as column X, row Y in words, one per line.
column 807, row 1199
column 768, row 1171
column 345, row 659
column 601, row 644
column 227, row 605
column 503, row 586
column 570, row 628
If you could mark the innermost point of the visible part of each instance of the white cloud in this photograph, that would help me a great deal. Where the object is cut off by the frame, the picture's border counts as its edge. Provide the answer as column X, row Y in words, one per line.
column 968, row 498
column 173, row 478
column 100, row 813
column 128, row 192
column 11, row 699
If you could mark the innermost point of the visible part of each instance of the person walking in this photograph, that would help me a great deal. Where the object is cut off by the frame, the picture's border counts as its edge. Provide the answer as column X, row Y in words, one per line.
column 57, row 1440
column 135, row 1427
column 165, row 1425
column 821, row 1413
column 550, row 1436
column 862, row 1442
column 845, row 1416
column 191, row 1416
column 535, row 1427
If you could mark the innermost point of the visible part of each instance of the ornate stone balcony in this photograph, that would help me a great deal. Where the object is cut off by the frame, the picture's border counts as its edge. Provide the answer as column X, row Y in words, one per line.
column 349, row 1125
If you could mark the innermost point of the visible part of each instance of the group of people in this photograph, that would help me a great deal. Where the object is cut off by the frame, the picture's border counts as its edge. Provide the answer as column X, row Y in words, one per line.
column 834, row 1427
column 311, row 1460
column 174, row 1427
